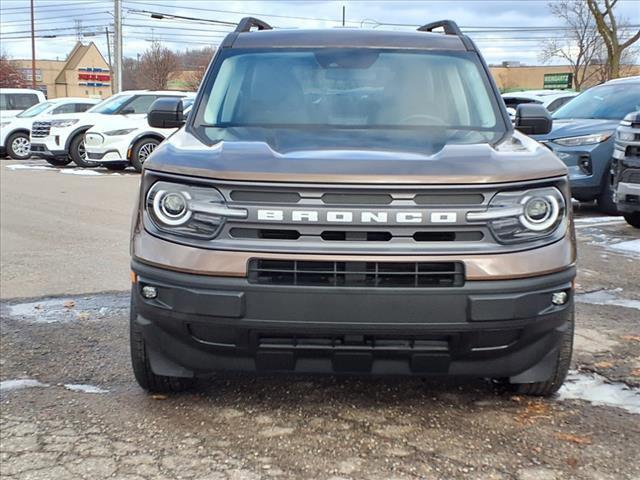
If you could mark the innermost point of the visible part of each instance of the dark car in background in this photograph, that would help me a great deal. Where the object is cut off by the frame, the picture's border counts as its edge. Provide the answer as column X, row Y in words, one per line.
column 583, row 137
column 625, row 169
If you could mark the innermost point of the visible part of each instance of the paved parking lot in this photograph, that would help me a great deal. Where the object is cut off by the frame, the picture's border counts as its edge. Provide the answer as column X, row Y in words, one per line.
column 70, row 408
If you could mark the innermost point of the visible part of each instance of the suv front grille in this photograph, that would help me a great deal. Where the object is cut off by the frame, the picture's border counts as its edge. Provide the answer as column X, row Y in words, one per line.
column 630, row 175
column 356, row 274
column 40, row 129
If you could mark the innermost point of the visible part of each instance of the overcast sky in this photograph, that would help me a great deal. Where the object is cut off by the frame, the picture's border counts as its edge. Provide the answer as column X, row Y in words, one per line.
column 66, row 19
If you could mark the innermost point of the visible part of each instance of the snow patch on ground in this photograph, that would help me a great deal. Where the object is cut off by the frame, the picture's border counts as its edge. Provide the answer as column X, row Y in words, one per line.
column 19, row 384
column 45, row 311
column 82, row 172
column 632, row 246
column 68, row 309
column 66, row 171
column 607, row 297
column 77, row 387
column 592, row 220
column 30, row 167
column 597, row 390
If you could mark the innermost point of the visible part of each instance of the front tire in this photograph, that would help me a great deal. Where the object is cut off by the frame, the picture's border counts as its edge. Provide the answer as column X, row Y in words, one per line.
column 633, row 219
column 141, row 151
column 78, row 153
column 56, row 162
column 19, row 146
column 115, row 168
column 605, row 199
column 563, row 361
column 141, row 365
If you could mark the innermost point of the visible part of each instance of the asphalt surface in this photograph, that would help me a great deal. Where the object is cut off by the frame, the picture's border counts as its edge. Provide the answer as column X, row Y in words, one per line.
column 70, row 408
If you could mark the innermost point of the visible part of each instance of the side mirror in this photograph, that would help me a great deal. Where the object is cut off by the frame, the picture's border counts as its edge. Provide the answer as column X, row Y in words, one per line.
column 533, row 119
column 127, row 111
column 166, row 113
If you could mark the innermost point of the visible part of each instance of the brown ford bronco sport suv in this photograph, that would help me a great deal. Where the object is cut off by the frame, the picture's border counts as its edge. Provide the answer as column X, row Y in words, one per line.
column 352, row 201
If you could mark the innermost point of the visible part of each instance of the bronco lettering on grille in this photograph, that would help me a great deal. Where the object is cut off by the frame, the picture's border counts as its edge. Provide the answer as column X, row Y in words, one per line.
column 347, row 216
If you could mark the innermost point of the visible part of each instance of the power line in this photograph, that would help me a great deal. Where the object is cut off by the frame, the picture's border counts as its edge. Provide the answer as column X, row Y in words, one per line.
column 52, row 19
column 47, row 8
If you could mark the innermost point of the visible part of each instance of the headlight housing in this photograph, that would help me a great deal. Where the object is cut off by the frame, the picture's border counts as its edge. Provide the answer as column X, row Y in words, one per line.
column 187, row 210
column 64, row 123
column 524, row 216
column 583, row 139
column 122, row 131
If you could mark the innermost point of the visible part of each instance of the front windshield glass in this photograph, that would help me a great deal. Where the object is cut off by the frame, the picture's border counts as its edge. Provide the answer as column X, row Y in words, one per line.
column 35, row 110
column 110, row 105
column 429, row 96
column 606, row 102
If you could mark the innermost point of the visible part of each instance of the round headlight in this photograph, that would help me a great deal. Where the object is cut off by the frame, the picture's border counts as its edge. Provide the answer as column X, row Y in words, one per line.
column 172, row 208
column 539, row 213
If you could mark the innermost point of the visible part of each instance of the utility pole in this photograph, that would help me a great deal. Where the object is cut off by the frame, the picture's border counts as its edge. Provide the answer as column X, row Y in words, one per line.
column 343, row 14
column 117, row 46
column 33, row 49
column 106, row 32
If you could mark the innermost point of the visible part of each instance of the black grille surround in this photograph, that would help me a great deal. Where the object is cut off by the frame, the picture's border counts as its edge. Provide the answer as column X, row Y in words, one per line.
column 356, row 273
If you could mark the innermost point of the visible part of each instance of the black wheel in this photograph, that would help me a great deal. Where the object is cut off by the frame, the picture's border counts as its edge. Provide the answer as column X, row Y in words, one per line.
column 141, row 366
column 633, row 219
column 58, row 162
column 78, row 153
column 563, row 361
column 19, row 146
column 605, row 199
column 117, row 168
column 141, row 151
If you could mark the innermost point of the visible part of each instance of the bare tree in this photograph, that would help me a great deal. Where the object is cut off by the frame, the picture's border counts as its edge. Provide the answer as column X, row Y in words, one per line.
column 10, row 77
column 582, row 43
column 157, row 66
column 602, row 69
column 607, row 25
column 130, row 74
column 195, row 63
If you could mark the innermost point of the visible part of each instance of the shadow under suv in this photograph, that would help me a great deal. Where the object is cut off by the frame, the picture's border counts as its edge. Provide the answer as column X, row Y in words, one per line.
column 351, row 201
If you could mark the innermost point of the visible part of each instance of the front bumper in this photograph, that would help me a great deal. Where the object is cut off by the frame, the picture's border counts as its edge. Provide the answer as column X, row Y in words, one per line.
column 42, row 150
column 499, row 328
column 627, row 197
column 105, row 149
column 587, row 165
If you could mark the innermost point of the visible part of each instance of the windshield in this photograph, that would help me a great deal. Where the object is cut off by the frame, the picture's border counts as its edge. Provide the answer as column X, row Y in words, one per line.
column 606, row 102
column 110, row 105
column 437, row 96
column 35, row 110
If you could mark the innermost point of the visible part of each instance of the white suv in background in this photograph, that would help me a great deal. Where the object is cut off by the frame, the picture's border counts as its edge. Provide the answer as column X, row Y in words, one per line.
column 14, row 132
column 15, row 100
column 117, row 143
column 60, row 140
column 552, row 100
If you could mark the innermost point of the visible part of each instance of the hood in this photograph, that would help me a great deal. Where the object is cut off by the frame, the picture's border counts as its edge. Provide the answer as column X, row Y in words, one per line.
column 579, row 126
column 17, row 122
column 116, row 122
column 85, row 118
column 515, row 159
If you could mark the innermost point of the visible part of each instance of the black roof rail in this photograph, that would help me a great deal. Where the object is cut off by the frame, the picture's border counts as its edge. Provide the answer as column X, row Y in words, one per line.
column 450, row 27
column 247, row 23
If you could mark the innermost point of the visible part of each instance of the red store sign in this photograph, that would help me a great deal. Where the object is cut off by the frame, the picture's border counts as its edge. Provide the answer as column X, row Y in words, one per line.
column 94, row 77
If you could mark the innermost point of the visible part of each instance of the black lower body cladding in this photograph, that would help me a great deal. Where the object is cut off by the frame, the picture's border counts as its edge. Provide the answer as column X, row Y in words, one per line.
column 502, row 329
